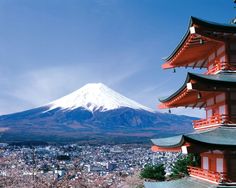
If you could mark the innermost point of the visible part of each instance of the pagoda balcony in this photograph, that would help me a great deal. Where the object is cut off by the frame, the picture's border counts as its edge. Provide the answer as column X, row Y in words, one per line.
column 211, row 176
column 218, row 66
column 213, row 121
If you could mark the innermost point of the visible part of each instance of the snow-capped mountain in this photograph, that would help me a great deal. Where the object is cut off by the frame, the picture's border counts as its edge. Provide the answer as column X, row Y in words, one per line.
column 92, row 113
column 95, row 96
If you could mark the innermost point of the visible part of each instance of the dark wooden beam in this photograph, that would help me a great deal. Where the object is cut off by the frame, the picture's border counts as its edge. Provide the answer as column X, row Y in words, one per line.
column 195, row 105
column 202, row 105
column 210, row 35
column 209, row 87
column 203, row 63
column 195, row 64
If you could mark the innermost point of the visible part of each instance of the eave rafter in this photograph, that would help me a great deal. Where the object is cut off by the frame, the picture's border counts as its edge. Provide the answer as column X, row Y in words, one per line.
column 208, row 35
column 195, row 95
column 203, row 104
column 164, row 149
column 174, row 100
column 203, row 63
column 156, row 148
column 198, row 43
column 187, row 53
column 195, row 105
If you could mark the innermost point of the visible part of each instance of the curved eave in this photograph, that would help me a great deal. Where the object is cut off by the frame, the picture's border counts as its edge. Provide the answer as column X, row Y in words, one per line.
column 185, row 37
column 166, row 99
column 221, row 79
column 219, row 137
column 227, row 28
column 224, row 79
column 169, row 142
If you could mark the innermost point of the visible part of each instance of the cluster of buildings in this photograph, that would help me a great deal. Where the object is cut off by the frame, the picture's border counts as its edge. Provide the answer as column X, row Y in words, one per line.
column 105, row 165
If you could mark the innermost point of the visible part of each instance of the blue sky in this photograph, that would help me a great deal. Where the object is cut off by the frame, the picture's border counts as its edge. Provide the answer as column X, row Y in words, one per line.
column 51, row 48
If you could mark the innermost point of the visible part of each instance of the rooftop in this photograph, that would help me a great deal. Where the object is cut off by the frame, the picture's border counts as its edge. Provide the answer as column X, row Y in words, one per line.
column 222, row 79
column 206, row 84
column 199, row 32
column 221, row 136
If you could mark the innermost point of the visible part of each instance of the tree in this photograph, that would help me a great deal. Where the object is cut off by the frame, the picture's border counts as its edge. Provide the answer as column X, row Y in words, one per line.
column 180, row 167
column 155, row 172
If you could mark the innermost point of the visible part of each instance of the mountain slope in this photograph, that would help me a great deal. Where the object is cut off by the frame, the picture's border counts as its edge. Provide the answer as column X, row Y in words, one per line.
column 95, row 97
column 94, row 112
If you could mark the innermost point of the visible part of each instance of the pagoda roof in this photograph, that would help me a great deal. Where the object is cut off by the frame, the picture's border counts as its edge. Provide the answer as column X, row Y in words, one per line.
column 174, row 141
column 218, row 82
column 228, row 78
column 221, row 136
column 210, row 33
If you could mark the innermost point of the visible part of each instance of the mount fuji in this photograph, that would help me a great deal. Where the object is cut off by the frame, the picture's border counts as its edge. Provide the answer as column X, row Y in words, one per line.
column 96, row 97
column 94, row 113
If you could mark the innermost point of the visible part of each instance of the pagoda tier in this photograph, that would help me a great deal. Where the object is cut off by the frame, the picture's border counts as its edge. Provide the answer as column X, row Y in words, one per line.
column 212, row 92
column 198, row 88
column 212, row 46
column 217, row 148
column 205, row 45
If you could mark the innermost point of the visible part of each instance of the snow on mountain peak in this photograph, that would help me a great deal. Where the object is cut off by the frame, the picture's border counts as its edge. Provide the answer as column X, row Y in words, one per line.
column 95, row 96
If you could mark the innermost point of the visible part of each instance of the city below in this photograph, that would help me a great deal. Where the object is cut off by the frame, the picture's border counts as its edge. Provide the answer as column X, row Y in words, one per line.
column 74, row 165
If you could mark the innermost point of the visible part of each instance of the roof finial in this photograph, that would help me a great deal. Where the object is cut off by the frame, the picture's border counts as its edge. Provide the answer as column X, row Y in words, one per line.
column 233, row 21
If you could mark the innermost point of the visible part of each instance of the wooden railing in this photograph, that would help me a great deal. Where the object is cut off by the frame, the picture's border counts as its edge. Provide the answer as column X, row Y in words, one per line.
column 220, row 66
column 218, row 119
column 217, row 177
column 213, row 120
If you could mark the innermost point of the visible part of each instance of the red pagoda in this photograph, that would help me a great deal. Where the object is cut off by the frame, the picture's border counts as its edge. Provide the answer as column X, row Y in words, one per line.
column 211, row 46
